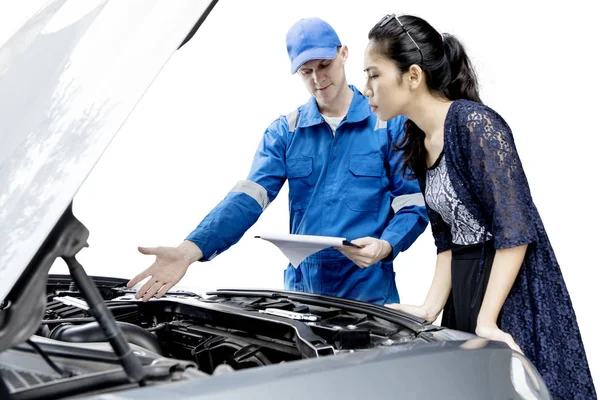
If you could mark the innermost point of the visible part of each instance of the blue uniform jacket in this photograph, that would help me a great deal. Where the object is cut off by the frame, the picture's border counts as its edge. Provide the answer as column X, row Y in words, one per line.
column 348, row 184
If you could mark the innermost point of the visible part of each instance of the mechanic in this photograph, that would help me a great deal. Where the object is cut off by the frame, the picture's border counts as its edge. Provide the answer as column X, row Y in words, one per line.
column 344, row 177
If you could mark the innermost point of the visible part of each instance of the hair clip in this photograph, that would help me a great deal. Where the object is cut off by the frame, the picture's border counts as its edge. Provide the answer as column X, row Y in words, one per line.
column 383, row 22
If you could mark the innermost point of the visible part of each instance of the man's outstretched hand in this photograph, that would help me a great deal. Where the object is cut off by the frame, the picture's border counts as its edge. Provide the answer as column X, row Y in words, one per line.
column 169, row 267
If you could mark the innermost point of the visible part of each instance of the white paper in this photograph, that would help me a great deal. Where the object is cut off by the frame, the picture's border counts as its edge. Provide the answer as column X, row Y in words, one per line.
column 297, row 247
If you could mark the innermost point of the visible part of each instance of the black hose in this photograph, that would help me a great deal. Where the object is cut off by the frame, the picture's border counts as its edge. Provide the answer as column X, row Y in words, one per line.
column 66, row 320
column 92, row 332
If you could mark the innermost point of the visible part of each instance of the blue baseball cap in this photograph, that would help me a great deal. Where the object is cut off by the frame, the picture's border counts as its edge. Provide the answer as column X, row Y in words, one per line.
column 311, row 39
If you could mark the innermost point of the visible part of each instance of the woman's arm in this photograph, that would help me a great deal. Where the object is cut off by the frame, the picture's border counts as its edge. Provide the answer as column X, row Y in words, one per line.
column 438, row 292
column 440, row 287
column 505, row 268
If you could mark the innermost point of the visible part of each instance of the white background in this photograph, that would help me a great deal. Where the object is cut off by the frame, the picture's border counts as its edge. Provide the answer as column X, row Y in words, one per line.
column 194, row 134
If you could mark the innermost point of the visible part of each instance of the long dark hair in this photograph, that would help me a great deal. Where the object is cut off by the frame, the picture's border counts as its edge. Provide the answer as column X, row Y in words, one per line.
column 445, row 64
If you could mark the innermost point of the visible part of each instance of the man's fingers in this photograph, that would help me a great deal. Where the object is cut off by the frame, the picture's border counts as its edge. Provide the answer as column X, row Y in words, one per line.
column 152, row 291
column 163, row 290
column 364, row 241
column 363, row 252
column 139, row 277
column 355, row 258
column 144, row 289
column 149, row 251
column 348, row 254
column 361, row 257
column 351, row 250
column 360, row 260
column 343, row 252
column 363, row 262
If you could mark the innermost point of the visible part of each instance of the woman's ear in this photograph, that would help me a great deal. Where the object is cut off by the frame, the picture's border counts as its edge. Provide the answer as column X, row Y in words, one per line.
column 416, row 77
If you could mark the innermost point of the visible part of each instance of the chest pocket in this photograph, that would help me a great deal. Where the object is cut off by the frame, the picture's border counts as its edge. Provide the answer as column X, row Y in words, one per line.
column 299, row 173
column 364, row 189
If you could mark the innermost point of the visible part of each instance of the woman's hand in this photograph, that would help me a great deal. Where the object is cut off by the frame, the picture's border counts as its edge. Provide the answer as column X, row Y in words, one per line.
column 492, row 332
column 418, row 311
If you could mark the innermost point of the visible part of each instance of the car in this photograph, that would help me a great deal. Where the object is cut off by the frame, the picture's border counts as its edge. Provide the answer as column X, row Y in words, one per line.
column 68, row 80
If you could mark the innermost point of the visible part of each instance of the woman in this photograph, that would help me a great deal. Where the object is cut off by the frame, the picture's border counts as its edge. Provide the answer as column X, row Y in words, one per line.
column 496, row 273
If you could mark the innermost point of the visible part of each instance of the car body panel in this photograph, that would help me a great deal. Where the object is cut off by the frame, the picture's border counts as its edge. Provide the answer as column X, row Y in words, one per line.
column 433, row 371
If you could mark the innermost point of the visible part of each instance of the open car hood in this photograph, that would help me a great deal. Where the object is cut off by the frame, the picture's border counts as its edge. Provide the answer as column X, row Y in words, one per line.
column 69, row 78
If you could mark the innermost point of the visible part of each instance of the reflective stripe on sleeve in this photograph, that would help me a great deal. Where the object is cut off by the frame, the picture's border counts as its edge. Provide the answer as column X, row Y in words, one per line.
column 254, row 190
column 413, row 199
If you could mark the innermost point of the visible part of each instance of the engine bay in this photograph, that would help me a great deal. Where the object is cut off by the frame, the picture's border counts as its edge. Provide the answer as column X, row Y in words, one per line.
column 186, row 336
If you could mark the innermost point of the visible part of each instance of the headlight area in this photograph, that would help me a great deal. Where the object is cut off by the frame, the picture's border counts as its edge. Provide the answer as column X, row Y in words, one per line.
column 527, row 381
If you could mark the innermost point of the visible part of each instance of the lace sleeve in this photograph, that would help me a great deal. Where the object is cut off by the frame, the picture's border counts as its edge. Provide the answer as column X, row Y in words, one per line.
column 499, row 179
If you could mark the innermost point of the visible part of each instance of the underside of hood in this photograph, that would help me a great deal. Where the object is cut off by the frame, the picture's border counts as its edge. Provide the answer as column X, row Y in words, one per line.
column 69, row 78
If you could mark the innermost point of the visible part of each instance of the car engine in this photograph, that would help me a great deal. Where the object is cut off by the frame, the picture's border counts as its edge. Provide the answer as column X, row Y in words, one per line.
column 187, row 336
column 237, row 331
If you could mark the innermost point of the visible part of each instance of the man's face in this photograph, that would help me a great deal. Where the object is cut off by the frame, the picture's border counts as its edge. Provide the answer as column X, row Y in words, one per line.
column 325, row 79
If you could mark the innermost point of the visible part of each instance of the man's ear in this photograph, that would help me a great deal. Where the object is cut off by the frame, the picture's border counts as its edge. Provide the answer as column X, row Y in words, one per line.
column 343, row 51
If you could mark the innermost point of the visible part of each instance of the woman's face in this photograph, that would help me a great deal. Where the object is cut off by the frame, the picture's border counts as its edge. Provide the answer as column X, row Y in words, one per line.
column 386, row 88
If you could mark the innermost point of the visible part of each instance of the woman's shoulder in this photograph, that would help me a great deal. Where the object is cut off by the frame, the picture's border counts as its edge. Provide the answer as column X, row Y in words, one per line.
column 467, row 111
column 472, row 124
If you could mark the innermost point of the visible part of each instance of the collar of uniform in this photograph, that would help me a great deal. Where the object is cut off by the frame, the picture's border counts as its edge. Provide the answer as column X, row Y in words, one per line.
column 358, row 111
column 359, row 107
